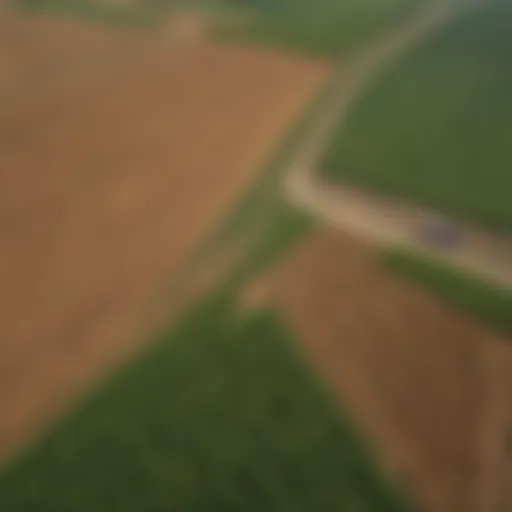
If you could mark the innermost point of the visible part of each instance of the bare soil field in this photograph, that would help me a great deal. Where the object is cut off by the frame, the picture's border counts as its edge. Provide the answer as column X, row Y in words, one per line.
column 39, row 51
column 430, row 387
column 111, row 172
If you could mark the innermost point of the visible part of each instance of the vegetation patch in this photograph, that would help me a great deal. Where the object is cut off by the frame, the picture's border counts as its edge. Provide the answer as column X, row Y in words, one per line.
column 220, row 414
column 435, row 126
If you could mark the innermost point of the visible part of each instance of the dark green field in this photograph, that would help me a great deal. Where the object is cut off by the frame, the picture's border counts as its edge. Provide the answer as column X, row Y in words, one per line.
column 220, row 415
column 436, row 127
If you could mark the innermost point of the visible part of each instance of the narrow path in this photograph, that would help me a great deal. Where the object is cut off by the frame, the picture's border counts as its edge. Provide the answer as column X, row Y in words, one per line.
column 387, row 221
column 374, row 217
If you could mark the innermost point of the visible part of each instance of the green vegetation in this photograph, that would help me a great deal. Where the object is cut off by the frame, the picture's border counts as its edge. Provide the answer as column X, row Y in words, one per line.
column 324, row 27
column 436, row 126
column 219, row 415
column 489, row 303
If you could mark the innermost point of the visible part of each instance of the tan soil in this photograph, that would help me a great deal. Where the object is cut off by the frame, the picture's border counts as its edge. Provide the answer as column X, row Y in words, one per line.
column 421, row 379
column 111, row 173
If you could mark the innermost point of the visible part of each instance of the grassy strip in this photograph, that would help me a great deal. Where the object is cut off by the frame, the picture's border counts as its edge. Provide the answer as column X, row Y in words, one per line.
column 283, row 230
column 220, row 415
column 434, row 126
column 262, row 214
column 320, row 27
column 489, row 303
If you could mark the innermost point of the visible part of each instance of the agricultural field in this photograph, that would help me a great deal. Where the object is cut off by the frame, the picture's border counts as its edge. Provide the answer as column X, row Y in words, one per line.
column 35, row 54
column 434, row 127
column 220, row 414
column 122, row 154
column 322, row 27
column 429, row 386
column 114, row 170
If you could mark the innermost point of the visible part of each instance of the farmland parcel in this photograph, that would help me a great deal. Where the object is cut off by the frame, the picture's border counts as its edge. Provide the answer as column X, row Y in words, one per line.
column 435, row 127
column 113, row 171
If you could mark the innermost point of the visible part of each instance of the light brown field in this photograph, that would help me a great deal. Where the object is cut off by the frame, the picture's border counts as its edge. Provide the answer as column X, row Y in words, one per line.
column 118, row 153
column 430, row 388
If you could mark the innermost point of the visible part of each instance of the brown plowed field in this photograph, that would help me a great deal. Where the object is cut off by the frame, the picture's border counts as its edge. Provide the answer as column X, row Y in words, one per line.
column 420, row 378
column 117, row 155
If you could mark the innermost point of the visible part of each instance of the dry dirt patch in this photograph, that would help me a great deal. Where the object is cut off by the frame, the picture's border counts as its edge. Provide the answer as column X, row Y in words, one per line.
column 110, row 175
column 420, row 378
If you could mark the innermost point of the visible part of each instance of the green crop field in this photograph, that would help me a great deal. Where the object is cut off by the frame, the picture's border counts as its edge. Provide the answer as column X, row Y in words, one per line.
column 220, row 415
column 436, row 126
column 324, row 27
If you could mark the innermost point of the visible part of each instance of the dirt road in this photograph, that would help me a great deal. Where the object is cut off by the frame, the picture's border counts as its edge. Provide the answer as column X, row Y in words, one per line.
column 379, row 219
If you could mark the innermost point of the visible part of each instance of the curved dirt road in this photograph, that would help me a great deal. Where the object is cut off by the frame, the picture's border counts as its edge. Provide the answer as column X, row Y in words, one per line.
column 376, row 218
